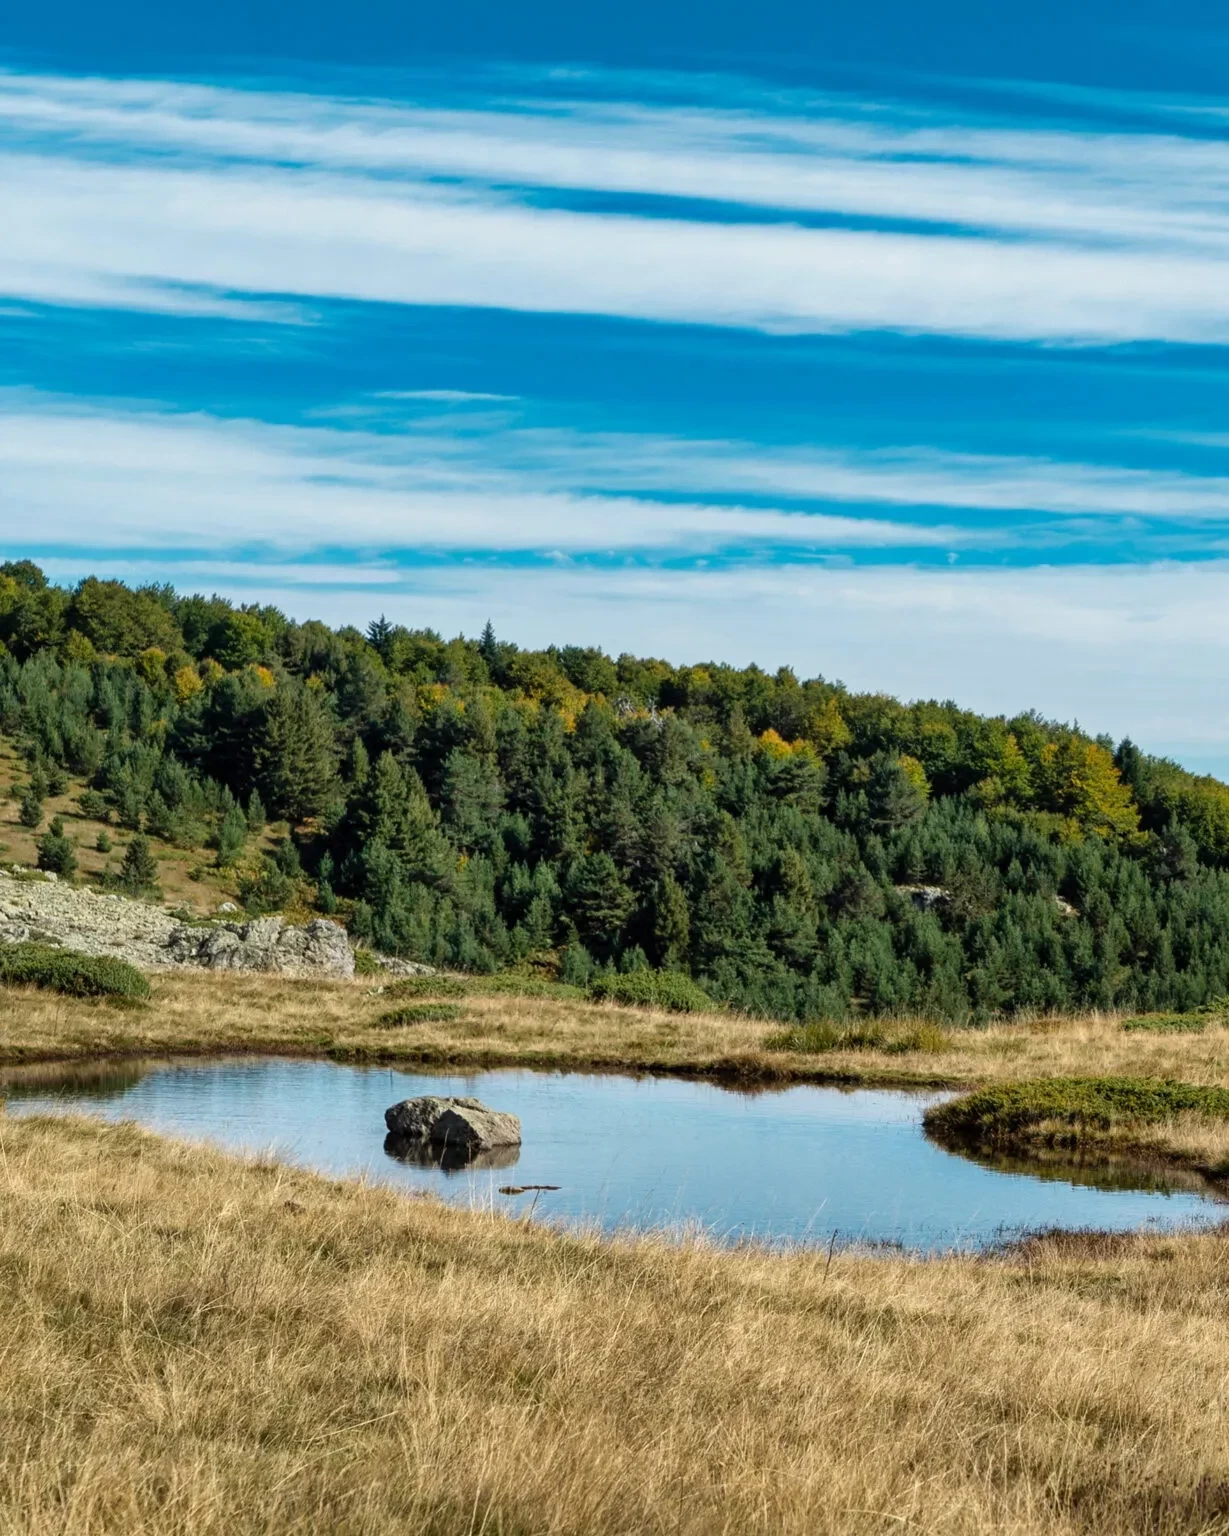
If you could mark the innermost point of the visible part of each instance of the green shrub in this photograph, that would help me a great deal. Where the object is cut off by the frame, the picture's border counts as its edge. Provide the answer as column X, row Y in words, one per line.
column 814, row 1039
column 502, row 984
column 64, row 970
column 103, row 841
column 366, row 964
column 95, row 805
column 516, row 984
column 419, row 1013
column 31, row 812
column 652, row 989
column 429, row 986
column 1169, row 1023
column 270, row 890
column 1011, row 1110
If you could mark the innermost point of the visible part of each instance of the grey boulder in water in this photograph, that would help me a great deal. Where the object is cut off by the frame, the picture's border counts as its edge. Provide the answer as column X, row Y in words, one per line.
column 464, row 1125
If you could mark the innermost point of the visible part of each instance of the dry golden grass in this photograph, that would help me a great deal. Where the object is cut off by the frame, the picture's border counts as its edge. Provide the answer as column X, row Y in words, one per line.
column 194, row 1013
column 193, row 1344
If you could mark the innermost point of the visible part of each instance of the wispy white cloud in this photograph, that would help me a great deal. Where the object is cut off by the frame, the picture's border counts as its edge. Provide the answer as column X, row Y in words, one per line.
column 122, row 479
column 116, row 477
column 442, row 396
column 791, row 152
column 159, row 195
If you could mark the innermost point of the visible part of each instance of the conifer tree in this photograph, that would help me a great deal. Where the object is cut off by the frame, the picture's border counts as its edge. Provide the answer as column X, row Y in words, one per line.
column 138, row 875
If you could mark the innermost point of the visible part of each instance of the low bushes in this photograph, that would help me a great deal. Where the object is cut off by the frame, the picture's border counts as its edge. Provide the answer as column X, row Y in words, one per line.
column 420, row 1013
column 64, row 970
column 515, row 984
column 429, row 986
column 503, row 984
column 671, row 990
column 814, row 1039
column 1169, row 1023
column 1063, row 1108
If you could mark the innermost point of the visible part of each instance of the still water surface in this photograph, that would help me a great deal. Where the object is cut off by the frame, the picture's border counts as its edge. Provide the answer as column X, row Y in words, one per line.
column 795, row 1164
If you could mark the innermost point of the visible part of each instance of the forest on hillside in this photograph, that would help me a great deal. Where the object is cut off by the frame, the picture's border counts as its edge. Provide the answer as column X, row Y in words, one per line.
column 472, row 804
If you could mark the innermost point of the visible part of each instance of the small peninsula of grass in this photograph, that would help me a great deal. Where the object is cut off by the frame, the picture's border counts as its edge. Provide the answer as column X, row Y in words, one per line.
column 1184, row 1122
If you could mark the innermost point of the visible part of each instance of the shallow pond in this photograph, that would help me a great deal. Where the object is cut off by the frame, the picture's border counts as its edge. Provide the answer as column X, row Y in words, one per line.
column 795, row 1164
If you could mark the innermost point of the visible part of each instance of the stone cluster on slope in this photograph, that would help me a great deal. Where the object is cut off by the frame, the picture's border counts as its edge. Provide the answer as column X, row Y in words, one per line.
column 95, row 923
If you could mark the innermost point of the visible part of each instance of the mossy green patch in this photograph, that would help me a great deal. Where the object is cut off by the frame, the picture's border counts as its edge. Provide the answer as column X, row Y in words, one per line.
column 1169, row 1023
column 420, row 1013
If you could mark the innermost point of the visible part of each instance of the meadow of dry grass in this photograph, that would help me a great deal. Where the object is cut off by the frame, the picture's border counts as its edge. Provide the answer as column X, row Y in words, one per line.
column 197, row 1012
column 192, row 1344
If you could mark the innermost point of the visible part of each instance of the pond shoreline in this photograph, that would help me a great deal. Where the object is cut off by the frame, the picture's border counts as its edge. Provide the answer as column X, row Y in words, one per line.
column 654, row 1151
column 752, row 1069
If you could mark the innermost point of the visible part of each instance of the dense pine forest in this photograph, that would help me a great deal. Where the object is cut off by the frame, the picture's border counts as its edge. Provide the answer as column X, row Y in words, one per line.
column 800, row 850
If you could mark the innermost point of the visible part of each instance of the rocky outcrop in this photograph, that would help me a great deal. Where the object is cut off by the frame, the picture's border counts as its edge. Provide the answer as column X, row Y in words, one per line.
column 264, row 944
column 925, row 897
column 462, row 1125
column 151, row 938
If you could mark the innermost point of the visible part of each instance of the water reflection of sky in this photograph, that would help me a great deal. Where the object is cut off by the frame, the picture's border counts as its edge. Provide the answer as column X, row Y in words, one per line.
column 797, row 1164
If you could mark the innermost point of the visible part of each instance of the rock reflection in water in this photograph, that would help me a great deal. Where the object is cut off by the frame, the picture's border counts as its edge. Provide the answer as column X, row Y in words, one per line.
column 448, row 1159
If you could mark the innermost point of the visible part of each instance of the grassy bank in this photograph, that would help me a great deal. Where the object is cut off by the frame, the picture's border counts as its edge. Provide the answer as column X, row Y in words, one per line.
column 194, row 1344
column 1176, row 1121
column 195, row 1013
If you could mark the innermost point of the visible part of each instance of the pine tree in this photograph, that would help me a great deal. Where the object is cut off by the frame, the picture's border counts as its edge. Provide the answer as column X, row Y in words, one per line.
column 671, row 924
column 295, row 754
column 55, row 853
column 231, row 837
column 138, row 875
column 256, row 816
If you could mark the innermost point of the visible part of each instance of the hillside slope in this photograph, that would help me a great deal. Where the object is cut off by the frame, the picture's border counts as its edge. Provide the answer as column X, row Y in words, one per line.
column 473, row 805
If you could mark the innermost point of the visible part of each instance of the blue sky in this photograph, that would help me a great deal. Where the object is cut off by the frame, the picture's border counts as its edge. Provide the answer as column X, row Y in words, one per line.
column 890, row 346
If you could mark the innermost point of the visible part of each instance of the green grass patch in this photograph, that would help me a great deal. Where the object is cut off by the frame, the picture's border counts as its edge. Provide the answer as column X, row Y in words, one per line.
column 1169, row 1023
column 502, row 984
column 671, row 990
column 816, row 1039
column 67, row 971
column 1014, row 1111
column 429, row 986
column 515, row 984
column 420, row 1013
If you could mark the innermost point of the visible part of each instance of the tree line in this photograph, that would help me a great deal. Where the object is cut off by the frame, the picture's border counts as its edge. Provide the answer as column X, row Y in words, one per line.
column 799, row 849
